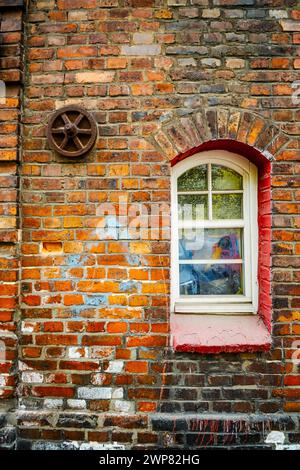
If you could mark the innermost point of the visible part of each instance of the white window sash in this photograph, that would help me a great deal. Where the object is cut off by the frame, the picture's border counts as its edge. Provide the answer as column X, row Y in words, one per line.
column 243, row 304
column 225, row 223
column 211, row 261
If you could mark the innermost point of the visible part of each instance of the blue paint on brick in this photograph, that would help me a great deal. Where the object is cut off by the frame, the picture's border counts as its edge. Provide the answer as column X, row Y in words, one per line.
column 107, row 233
column 133, row 260
column 111, row 221
column 95, row 300
column 213, row 100
column 130, row 286
column 139, row 115
column 77, row 310
column 165, row 117
column 129, row 234
column 63, row 273
column 74, row 260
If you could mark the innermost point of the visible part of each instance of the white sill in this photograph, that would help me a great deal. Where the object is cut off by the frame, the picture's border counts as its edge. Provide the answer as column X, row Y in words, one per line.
column 208, row 308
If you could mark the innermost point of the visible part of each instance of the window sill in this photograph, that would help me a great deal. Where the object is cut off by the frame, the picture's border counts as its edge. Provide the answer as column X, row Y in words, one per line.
column 203, row 307
column 219, row 333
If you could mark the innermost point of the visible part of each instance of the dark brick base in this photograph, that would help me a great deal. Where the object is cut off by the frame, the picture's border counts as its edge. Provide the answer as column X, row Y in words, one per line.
column 71, row 431
column 7, row 432
column 221, row 431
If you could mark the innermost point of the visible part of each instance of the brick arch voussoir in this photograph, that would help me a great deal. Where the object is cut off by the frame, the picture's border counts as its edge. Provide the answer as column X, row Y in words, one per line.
column 181, row 134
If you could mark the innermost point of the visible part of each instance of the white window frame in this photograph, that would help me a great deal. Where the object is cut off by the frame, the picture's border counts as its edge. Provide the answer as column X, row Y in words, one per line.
column 238, row 304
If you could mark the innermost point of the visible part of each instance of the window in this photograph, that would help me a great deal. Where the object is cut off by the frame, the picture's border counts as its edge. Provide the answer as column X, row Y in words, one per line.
column 214, row 234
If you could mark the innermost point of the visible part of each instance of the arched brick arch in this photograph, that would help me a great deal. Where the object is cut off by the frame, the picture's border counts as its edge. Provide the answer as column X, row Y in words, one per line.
column 248, row 134
column 180, row 136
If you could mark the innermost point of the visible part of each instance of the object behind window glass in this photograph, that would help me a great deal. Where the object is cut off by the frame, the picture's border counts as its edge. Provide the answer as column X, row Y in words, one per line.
column 212, row 278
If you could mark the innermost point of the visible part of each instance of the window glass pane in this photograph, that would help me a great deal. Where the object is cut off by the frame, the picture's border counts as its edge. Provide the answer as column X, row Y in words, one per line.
column 214, row 279
column 192, row 207
column 194, row 179
column 221, row 243
column 227, row 206
column 224, row 178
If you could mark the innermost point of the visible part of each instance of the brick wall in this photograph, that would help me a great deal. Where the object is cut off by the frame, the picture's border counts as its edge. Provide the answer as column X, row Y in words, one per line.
column 10, row 102
column 95, row 361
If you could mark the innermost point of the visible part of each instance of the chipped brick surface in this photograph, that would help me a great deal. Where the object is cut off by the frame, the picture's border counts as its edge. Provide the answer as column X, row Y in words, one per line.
column 11, row 38
column 89, row 323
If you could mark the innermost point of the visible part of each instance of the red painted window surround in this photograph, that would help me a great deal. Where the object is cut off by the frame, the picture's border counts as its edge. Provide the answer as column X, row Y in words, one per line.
column 232, row 333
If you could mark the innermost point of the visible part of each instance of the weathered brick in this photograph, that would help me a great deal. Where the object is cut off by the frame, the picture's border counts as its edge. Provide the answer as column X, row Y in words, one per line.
column 141, row 50
column 161, row 79
column 290, row 25
column 94, row 77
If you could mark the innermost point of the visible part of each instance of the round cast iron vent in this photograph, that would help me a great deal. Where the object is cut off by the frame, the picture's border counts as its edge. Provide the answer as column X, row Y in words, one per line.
column 72, row 131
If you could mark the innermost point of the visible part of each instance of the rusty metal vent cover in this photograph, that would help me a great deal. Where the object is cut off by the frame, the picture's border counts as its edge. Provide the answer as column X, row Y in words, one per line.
column 72, row 131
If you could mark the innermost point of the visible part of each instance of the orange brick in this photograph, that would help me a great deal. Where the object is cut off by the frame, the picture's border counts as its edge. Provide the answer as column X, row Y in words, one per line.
column 142, row 89
column 73, row 299
column 146, row 341
column 138, row 300
column 116, row 63
column 147, row 406
column 118, row 170
column 117, row 299
column 139, row 327
column 95, row 327
column 116, row 327
column 49, row 339
column 136, row 367
column 139, row 274
column 53, row 326
column 33, row 300
column 73, row 222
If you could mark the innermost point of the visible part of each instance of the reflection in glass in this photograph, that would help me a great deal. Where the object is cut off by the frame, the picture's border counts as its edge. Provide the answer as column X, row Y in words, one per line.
column 211, row 279
column 224, row 178
column 227, row 206
column 194, row 179
column 204, row 244
column 192, row 207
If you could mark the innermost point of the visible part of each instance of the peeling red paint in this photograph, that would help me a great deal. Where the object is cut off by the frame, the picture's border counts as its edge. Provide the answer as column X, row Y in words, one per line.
column 253, row 154
column 219, row 333
column 221, row 349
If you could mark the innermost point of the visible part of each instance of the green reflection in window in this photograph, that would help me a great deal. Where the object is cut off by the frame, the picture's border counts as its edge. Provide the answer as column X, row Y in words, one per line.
column 192, row 207
column 224, row 178
column 194, row 179
column 227, row 206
